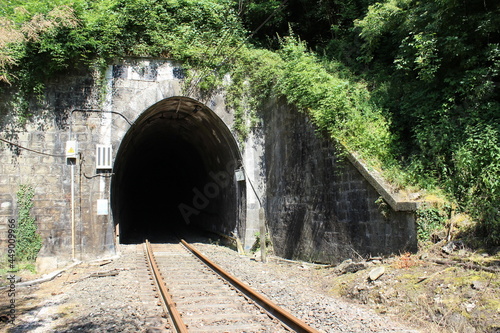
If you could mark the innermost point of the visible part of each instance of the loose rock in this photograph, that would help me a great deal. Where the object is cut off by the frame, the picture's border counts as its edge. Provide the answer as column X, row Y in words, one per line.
column 376, row 273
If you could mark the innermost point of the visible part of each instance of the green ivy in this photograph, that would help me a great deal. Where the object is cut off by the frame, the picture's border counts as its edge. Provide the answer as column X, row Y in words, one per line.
column 28, row 241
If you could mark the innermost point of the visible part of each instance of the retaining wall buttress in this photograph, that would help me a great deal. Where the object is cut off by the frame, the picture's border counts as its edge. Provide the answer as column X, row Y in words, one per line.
column 321, row 205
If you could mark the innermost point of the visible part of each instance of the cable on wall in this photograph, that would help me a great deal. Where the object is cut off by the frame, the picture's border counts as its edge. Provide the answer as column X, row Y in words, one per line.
column 29, row 149
column 102, row 111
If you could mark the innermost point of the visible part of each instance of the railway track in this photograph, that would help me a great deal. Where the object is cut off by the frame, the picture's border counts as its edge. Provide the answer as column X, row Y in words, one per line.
column 201, row 297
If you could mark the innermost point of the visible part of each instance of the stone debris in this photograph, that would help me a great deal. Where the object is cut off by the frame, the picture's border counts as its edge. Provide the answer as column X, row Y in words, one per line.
column 376, row 273
column 348, row 266
column 452, row 246
column 113, row 272
column 478, row 285
column 354, row 267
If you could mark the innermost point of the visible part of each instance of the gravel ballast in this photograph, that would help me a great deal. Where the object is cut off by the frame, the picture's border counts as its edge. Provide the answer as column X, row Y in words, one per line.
column 292, row 286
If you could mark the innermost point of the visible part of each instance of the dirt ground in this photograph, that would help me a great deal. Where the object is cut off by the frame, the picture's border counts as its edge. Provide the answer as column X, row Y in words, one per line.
column 40, row 300
column 433, row 290
column 112, row 295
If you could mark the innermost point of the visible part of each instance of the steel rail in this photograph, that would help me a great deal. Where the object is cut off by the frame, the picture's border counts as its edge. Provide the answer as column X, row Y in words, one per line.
column 167, row 299
column 272, row 308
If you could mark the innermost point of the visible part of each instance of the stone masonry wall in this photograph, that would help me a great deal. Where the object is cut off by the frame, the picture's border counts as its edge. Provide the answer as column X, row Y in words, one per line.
column 319, row 207
column 47, row 173
column 128, row 89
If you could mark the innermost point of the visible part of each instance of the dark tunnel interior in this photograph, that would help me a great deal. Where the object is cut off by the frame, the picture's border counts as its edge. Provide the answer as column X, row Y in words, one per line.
column 174, row 170
column 159, row 178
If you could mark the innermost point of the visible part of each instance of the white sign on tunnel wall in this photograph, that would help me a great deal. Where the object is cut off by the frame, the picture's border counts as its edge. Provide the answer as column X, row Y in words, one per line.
column 102, row 207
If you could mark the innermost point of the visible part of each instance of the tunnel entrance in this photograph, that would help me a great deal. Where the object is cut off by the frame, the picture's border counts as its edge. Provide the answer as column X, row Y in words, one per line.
column 175, row 169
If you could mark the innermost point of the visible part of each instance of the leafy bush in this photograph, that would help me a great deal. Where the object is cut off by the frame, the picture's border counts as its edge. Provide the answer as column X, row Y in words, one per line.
column 62, row 33
column 438, row 65
column 476, row 181
column 336, row 104
column 429, row 219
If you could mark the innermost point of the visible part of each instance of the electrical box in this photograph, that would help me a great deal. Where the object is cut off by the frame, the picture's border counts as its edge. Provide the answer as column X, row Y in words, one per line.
column 71, row 151
column 239, row 175
column 103, row 157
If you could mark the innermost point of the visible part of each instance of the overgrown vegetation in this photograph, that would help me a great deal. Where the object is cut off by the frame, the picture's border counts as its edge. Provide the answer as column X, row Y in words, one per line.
column 28, row 241
column 411, row 86
column 43, row 38
column 436, row 65
column 429, row 220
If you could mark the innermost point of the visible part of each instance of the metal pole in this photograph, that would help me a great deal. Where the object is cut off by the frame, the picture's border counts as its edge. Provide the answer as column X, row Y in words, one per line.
column 262, row 222
column 73, row 211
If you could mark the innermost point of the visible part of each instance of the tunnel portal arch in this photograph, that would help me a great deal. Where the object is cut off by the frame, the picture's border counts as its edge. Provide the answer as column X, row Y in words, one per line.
column 174, row 168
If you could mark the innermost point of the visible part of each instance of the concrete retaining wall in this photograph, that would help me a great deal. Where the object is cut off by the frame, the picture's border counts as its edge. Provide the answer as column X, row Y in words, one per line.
column 319, row 206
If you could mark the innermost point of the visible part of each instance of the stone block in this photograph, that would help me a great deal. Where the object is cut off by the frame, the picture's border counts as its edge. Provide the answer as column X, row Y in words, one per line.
column 63, row 137
column 50, row 137
column 56, row 170
column 27, row 169
column 36, row 144
column 6, row 207
column 49, row 211
column 42, row 169
column 46, row 265
column 77, row 129
column 42, row 203
column 10, row 169
column 81, row 138
column 6, row 188
column 53, row 181
column 50, row 160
